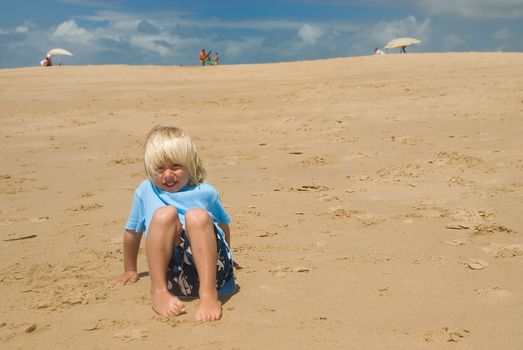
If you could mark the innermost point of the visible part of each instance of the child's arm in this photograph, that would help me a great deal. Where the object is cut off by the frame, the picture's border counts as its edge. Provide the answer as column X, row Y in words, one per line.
column 131, row 245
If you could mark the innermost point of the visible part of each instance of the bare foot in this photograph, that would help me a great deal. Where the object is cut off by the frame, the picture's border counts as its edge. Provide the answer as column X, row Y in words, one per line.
column 210, row 308
column 166, row 304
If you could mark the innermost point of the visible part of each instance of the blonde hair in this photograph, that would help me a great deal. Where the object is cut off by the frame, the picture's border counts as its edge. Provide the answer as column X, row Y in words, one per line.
column 166, row 144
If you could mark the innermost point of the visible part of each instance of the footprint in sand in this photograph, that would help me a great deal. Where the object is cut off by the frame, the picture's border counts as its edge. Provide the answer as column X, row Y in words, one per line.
column 469, row 217
column 11, row 184
column 365, row 219
column 460, row 182
column 360, row 155
column 504, row 250
column 39, row 219
column 492, row 229
column 408, row 140
column 324, row 197
column 284, row 270
column 476, row 264
column 318, row 160
column 384, row 291
column 445, row 334
column 86, row 207
column 131, row 334
column 455, row 242
column 369, row 219
column 457, row 159
column 9, row 331
column 401, row 173
column 123, row 159
column 309, row 188
column 342, row 139
column 340, row 213
column 462, row 218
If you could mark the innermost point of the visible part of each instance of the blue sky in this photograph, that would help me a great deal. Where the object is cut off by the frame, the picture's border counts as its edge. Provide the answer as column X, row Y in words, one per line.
column 163, row 32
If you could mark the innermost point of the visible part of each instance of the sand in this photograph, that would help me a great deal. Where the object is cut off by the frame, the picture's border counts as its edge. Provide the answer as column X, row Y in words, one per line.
column 376, row 202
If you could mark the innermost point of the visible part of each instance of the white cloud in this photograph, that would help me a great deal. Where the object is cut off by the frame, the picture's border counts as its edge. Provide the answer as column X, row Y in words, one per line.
column 125, row 25
column 122, row 29
column 70, row 31
column 21, row 29
column 150, row 43
column 309, row 34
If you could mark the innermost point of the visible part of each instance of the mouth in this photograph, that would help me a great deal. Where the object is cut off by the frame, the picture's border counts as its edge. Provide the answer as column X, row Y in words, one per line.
column 169, row 182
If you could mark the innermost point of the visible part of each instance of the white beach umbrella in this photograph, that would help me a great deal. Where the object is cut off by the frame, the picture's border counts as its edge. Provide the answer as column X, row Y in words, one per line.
column 56, row 52
column 402, row 42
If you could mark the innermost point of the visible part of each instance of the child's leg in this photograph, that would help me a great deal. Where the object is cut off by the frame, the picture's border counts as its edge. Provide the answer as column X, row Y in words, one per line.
column 199, row 229
column 164, row 232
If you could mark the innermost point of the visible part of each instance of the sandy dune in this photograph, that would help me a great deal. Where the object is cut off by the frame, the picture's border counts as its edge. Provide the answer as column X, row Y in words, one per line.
column 376, row 202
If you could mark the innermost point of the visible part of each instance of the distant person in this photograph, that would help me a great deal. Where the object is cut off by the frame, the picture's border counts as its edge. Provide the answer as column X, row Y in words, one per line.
column 204, row 57
column 216, row 59
column 378, row 52
column 403, row 49
column 185, row 225
column 46, row 62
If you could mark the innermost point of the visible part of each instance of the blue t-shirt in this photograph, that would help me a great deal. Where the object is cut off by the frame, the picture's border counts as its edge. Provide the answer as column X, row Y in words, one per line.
column 148, row 198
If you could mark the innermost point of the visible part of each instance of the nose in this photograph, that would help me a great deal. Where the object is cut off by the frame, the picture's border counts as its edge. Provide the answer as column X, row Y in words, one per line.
column 168, row 172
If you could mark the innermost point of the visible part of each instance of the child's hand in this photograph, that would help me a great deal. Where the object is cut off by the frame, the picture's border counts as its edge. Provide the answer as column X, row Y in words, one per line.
column 126, row 277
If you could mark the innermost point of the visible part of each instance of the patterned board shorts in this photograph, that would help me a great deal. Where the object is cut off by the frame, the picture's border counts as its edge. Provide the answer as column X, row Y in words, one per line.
column 182, row 277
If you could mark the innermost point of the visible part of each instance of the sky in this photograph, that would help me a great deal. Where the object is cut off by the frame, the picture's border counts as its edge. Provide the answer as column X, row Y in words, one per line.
column 168, row 32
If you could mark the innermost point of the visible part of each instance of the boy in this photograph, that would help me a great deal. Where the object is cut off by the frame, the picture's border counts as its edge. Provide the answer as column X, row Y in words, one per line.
column 185, row 225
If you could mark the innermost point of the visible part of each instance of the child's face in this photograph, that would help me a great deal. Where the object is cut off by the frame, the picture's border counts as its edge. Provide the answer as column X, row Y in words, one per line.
column 171, row 177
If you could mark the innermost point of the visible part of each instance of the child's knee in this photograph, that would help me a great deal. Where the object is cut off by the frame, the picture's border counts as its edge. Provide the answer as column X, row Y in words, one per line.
column 166, row 215
column 197, row 216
